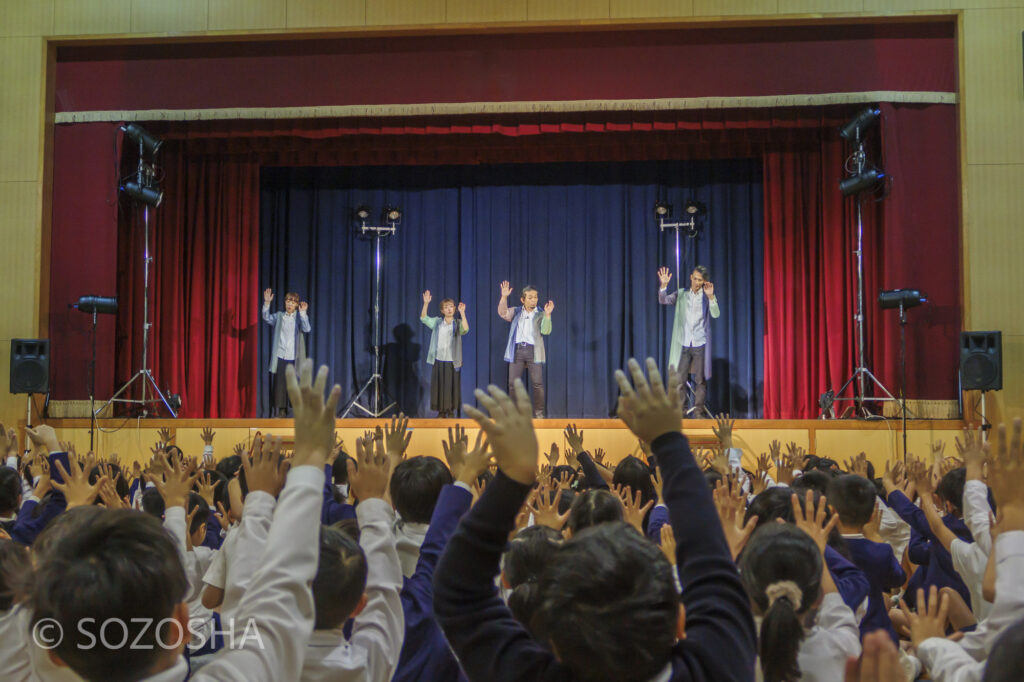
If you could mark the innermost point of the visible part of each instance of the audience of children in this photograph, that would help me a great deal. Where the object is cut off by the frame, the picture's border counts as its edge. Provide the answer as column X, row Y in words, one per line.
column 672, row 565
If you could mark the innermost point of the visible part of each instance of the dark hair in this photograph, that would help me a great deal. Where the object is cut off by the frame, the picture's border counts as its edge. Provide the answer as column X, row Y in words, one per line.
column 15, row 572
column 561, row 470
column 593, row 507
column 525, row 559
column 293, row 295
column 446, row 300
column 951, row 488
column 781, row 553
column 700, row 269
column 120, row 484
column 349, row 527
column 525, row 290
column 108, row 564
column 195, row 500
column 153, row 502
column 773, row 503
column 220, row 492
column 485, row 477
column 10, row 489
column 340, row 578
column 1007, row 657
column 228, row 466
column 815, row 479
column 609, row 605
column 635, row 475
column 713, row 478
column 339, row 470
column 415, row 486
column 853, row 498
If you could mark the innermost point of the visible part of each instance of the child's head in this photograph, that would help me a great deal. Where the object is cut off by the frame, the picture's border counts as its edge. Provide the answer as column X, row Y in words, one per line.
column 593, row 507
column 153, row 503
column 773, row 503
column 853, row 498
column 615, row 586
column 635, row 475
column 1007, row 658
column 529, row 297
column 229, row 466
column 197, row 530
column 781, row 571
column 15, row 573
column 951, row 491
column 340, row 579
column 111, row 566
column 291, row 302
column 10, row 491
column 448, row 307
column 815, row 479
column 698, row 277
column 528, row 554
column 415, row 486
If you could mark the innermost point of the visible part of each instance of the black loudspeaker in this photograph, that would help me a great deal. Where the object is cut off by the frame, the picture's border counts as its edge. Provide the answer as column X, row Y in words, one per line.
column 981, row 361
column 30, row 365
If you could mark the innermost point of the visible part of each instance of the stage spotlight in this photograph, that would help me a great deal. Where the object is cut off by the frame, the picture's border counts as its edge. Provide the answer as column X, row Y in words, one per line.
column 662, row 210
column 895, row 298
column 859, row 123
column 692, row 208
column 147, row 195
column 96, row 304
column 855, row 184
column 392, row 214
column 826, row 401
column 138, row 134
column 362, row 213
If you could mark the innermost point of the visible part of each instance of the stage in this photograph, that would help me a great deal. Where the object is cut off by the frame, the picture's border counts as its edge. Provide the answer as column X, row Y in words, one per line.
column 836, row 438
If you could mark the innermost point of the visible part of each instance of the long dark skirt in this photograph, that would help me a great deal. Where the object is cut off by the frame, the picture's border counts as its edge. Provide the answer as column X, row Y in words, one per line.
column 445, row 391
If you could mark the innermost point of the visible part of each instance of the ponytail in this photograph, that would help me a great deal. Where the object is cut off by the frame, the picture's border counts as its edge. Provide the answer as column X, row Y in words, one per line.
column 782, row 632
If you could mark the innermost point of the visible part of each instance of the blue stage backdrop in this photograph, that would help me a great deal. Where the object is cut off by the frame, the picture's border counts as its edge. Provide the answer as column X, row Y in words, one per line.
column 583, row 234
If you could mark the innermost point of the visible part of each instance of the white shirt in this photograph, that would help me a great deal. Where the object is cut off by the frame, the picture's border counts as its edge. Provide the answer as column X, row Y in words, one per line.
column 524, row 332
column 445, row 334
column 286, row 339
column 827, row 644
column 694, row 332
column 893, row 530
column 408, row 539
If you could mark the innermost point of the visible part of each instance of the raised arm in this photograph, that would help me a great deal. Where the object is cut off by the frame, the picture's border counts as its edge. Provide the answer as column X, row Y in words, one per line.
column 709, row 291
column 304, row 324
column 664, row 277
column 423, row 311
column 463, row 320
column 545, row 322
column 268, row 296
column 504, row 312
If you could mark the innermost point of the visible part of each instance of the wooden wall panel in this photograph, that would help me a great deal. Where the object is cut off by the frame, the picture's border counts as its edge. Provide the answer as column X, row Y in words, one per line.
column 91, row 17
column 326, row 13
column 640, row 9
column 552, row 10
column 722, row 8
column 404, row 12
column 893, row 6
column 21, row 99
column 160, row 16
column 247, row 14
column 819, row 6
column 483, row 11
column 994, row 88
column 26, row 17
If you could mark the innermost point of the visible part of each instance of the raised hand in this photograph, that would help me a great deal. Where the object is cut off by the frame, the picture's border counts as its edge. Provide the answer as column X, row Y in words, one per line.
column 42, row 478
column 76, row 488
column 1006, row 474
column 553, row 455
column 723, row 429
column 396, row 438
column 974, row 452
column 175, row 483
column 599, row 456
column 709, row 289
column 633, row 509
column 574, row 437
column 545, row 509
column 509, row 430
column 268, row 295
column 931, row 617
column 664, row 277
column 650, row 410
column 565, row 481
column 164, row 434
column 370, row 478
column 427, row 298
column 44, row 436
column 476, row 461
column 303, row 306
column 268, row 468
column 7, row 443
column 239, row 450
column 659, row 483
column 207, row 489
column 314, row 418
column 461, row 308
column 506, row 289
column 455, row 449
column 730, row 504
column 668, row 544
column 814, row 522
column 548, row 308
column 207, row 435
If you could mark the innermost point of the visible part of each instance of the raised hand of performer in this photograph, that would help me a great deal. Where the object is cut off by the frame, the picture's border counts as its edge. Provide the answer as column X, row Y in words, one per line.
column 461, row 308
column 427, row 298
column 303, row 306
column 506, row 289
column 664, row 277
column 709, row 290
column 268, row 295
column 548, row 307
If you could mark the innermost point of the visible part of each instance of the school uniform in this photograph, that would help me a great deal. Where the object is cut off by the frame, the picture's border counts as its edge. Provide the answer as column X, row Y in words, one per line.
column 333, row 511
column 425, row 652
column 851, row 582
column 370, row 654
column 444, row 355
column 409, row 537
column 492, row 645
column 971, row 558
column 32, row 518
column 196, row 561
column 884, row 573
column 893, row 530
column 21, row 659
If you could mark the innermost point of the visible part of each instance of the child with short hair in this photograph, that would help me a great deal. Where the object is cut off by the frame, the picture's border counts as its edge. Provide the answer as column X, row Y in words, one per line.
column 525, row 347
column 288, row 346
column 445, row 354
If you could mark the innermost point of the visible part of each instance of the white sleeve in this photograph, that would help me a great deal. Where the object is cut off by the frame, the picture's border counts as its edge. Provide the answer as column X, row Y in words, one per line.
column 174, row 523
column 244, row 554
column 833, row 639
column 976, row 511
column 837, row 619
column 380, row 628
column 216, row 572
column 970, row 562
column 946, row 661
column 279, row 601
column 1008, row 606
column 893, row 530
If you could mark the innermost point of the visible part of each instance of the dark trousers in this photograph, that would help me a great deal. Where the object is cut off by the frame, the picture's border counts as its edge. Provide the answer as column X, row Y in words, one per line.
column 692, row 362
column 279, row 388
column 523, row 359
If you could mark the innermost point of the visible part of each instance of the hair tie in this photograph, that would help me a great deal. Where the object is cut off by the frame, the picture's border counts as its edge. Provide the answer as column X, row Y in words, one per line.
column 784, row 588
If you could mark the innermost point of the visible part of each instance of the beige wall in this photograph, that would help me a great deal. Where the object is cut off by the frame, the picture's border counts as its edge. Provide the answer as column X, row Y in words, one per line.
column 992, row 95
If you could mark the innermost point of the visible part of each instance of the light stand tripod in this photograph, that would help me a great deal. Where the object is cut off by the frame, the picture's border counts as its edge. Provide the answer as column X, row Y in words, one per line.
column 143, row 190
column 861, row 373
column 374, row 386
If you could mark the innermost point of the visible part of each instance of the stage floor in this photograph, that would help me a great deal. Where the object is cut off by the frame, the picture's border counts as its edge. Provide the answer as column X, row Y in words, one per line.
column 840, row 438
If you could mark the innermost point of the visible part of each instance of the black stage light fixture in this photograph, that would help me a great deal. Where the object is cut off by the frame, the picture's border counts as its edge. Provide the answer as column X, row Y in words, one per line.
column 104, row 305
column 692, row 208
column 662, row 210
column 855, row 184
column 362, row 212
column 859, row 123
column 150, row 142
column 895, row 298
column 392, row 214
column 147, row 195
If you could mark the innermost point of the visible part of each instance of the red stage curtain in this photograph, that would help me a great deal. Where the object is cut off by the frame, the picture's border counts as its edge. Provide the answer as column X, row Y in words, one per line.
column 206, row 295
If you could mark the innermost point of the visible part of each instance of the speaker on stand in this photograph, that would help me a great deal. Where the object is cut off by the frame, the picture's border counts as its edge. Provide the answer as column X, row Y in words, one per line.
column 981, row 365
column 30, row 369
